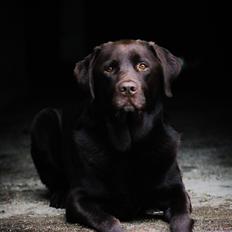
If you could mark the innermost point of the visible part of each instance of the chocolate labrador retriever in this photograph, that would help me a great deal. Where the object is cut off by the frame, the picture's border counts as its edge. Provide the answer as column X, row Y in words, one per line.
column 113, row 156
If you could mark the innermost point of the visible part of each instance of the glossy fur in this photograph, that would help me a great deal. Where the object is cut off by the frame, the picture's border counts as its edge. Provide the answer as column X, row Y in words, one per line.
column 113, row 157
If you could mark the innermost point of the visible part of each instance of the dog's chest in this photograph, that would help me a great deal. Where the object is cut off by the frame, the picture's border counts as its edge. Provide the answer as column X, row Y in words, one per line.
column 121, row 172
column 133, row 172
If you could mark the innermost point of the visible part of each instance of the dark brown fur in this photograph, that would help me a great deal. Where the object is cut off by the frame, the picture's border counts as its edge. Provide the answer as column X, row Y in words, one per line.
column 114, row 157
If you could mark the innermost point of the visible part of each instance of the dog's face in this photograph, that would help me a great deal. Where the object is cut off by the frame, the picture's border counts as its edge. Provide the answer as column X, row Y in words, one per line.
column 128, row 75
column 124, row 71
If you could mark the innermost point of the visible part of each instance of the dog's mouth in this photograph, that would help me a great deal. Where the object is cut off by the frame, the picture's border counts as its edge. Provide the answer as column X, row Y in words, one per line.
column 129, row 108
column 129, row 104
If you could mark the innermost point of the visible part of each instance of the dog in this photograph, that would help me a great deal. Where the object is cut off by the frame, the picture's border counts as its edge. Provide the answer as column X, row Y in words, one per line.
column 113, row 156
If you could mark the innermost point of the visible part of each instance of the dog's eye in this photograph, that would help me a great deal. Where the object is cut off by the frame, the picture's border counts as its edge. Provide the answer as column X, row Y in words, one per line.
column 142, row 67
column 108, row 68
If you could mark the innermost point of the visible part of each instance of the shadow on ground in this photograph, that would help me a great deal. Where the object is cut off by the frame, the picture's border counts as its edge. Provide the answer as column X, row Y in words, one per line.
column 205, row 158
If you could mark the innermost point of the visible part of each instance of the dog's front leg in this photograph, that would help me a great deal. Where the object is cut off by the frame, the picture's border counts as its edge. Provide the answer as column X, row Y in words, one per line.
column 84, row 209
column 178, row 213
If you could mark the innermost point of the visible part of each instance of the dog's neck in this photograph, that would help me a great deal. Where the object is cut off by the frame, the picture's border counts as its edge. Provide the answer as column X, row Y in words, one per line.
column 125, row 129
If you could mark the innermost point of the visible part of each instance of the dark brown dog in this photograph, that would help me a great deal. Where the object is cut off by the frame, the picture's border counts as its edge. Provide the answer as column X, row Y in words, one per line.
column 114, row 156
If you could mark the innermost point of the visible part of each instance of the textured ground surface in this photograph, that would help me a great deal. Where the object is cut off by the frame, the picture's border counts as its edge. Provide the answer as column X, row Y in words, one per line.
column 205, row 158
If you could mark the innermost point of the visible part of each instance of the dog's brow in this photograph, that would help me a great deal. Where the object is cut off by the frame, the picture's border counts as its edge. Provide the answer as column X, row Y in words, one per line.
column 135, row 56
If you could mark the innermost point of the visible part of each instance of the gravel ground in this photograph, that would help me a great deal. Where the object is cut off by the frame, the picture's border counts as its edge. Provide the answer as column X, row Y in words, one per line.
column 205, row 158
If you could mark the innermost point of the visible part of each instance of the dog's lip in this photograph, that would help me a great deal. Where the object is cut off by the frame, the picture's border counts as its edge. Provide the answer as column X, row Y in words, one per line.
column 129, row 108
column 129, row 104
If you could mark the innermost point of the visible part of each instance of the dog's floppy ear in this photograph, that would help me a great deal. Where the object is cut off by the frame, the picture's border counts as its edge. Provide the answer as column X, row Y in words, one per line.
column 171, row 66
column 83, row 72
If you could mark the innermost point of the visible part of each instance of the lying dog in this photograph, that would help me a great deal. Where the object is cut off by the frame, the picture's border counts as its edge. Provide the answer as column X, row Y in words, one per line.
column 114, row 156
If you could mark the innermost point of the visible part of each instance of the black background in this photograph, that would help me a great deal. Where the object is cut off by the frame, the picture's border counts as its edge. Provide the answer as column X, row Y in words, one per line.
column 41, row 41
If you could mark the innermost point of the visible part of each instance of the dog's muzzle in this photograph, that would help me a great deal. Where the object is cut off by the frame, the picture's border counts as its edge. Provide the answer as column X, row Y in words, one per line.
column 129, row 96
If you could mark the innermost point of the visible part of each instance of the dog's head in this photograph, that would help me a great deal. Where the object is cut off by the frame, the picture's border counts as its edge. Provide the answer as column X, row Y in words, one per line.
column 128, row 75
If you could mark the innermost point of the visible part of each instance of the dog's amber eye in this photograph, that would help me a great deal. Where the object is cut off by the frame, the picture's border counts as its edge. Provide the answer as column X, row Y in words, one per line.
column 141, row 67
column 108, row 68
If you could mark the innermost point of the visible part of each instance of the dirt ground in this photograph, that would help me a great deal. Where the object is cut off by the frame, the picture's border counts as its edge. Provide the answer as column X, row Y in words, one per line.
column 205, row 158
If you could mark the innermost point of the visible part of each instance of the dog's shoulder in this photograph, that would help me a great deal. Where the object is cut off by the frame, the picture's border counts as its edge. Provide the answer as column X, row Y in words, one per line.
column 169, row 138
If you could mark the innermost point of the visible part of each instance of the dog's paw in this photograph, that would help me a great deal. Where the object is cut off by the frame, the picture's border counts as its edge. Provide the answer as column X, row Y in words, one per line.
column 116, row 228
column 181, row 223
column 112, row 225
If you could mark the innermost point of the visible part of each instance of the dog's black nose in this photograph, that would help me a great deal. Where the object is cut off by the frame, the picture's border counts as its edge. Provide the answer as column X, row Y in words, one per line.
column 128, row 88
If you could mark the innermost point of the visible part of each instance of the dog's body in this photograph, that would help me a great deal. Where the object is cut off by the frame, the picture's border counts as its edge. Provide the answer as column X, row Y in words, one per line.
column 115, row 157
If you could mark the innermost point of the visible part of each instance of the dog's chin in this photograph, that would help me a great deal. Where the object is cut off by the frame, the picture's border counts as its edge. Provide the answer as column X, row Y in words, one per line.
column 128, row 113
column 129, row 108
column 129, row 104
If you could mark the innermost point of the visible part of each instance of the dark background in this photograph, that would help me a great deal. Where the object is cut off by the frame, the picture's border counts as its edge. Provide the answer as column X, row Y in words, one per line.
column 41, row 41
